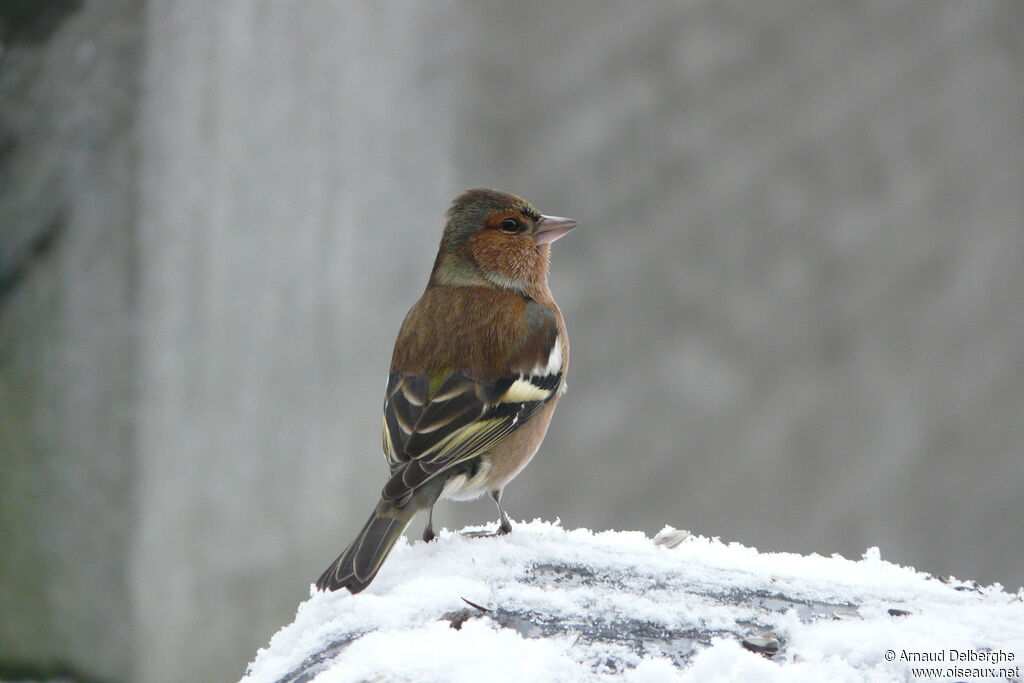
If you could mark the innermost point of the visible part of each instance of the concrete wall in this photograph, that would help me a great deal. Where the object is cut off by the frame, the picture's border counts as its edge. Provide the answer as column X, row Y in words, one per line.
column 794, row 300
column 68, row 291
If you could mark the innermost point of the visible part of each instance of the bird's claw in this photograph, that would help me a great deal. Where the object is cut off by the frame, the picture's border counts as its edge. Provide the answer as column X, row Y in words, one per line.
column 503, row 528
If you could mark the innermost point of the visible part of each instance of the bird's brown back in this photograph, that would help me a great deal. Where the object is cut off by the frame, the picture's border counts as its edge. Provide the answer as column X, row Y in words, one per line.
column 488, row 333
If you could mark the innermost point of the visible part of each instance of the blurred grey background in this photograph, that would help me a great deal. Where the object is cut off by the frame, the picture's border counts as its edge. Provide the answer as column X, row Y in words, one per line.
column 796, row 300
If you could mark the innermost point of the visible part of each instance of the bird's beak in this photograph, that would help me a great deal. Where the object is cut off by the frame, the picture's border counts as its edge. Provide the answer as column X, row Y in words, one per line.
column 550, row 228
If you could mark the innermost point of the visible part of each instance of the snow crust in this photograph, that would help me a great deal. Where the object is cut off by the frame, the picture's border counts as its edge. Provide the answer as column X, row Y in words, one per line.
column 566, row 605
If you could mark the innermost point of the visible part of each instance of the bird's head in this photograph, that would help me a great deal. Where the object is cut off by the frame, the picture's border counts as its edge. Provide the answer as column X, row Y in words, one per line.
column 499, row 238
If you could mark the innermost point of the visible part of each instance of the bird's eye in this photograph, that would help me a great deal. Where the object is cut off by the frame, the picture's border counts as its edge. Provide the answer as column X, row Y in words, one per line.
column 511, row 225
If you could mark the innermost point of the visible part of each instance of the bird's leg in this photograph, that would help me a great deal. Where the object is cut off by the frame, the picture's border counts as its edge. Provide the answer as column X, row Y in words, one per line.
column 428, row 531
column 425, row 498
column 504, row 523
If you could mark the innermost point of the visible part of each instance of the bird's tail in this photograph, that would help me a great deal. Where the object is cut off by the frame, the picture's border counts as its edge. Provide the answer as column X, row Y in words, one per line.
column 355, row 568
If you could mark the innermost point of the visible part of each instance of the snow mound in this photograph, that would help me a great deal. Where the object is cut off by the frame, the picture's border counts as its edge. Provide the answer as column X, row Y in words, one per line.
column 547, row 604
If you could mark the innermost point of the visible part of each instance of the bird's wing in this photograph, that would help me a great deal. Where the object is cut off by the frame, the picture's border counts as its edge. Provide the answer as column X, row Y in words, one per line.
column 434, row 423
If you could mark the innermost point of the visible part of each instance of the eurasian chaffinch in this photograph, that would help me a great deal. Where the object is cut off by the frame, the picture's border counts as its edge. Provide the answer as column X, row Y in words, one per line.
column 477, row 370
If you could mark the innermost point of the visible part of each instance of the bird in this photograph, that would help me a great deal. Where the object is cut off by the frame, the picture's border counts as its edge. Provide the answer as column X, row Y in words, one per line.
column 478, row 368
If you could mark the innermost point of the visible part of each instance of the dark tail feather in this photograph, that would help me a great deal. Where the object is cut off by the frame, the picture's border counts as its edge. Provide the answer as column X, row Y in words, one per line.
column 355, row 568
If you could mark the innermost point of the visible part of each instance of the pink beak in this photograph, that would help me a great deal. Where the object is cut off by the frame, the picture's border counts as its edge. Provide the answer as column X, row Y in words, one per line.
column 550, row 228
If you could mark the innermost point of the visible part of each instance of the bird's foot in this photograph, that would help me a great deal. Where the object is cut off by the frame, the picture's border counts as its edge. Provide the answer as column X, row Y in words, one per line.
column 504, row 527
column 483, row 534
column 428, row 530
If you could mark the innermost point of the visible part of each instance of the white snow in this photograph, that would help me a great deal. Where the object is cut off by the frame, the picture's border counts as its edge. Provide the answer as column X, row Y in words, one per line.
column 578, row 582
